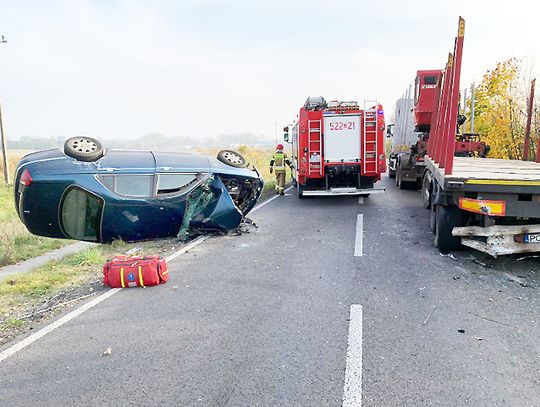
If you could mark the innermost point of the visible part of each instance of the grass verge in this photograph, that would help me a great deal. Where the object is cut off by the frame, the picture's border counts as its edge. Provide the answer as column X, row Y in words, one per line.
column 16, row 243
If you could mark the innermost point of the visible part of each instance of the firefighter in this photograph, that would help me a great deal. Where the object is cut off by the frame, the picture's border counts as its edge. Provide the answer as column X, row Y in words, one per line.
column 277, row 165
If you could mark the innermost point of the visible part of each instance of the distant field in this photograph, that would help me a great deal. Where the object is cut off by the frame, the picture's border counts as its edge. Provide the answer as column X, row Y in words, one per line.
column 255, row 156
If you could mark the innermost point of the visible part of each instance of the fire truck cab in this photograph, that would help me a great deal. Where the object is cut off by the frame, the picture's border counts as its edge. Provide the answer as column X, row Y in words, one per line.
column 337, row 148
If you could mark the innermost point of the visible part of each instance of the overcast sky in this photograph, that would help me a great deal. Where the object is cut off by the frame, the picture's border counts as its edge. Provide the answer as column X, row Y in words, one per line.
column 126, row 68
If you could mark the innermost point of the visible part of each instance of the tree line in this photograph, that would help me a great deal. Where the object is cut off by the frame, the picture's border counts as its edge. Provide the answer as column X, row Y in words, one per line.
column 500, row 110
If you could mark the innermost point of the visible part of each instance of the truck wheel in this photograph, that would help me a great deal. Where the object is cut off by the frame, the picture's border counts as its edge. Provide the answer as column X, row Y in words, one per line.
column 300, row 191
column 83, row 148
column 426, row 191
column 232, row 158
column 446, row 218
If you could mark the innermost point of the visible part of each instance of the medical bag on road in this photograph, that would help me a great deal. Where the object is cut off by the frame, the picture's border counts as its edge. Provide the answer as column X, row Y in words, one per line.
column 135, row 271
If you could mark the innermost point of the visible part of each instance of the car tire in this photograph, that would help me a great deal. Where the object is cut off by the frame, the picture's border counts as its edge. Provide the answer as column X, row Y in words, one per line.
column 232, row 158
column 84, row 148
column 446, row 218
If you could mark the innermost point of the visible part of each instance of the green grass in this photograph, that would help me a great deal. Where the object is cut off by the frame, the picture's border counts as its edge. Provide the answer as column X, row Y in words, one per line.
column 46, row 281
column 16, row 243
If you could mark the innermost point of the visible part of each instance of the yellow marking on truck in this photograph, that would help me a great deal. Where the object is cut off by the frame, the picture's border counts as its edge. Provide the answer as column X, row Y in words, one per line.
column 502, row 182
column 483, row 206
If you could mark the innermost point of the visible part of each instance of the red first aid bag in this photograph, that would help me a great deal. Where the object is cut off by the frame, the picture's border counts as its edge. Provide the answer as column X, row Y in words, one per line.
column 135, row 271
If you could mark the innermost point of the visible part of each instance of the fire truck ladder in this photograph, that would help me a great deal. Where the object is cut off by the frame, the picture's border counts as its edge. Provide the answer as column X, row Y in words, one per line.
column 370, row 147
column 315, row 147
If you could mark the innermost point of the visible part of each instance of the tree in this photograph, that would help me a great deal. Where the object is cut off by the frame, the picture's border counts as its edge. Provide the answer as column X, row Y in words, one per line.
column 499, row 110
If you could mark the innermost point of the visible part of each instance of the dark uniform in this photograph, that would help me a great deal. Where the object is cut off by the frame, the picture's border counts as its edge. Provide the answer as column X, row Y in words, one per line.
column 277, row 165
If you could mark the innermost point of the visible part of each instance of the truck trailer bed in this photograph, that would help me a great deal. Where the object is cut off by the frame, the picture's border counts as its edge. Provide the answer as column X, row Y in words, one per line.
column 493, row 174
column 508, row 190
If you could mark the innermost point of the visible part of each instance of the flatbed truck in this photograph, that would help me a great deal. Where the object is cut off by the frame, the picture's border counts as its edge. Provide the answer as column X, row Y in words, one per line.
column 492, row 205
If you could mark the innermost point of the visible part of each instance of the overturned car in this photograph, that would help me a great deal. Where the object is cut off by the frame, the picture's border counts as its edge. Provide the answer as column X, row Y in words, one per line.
column 88, row 193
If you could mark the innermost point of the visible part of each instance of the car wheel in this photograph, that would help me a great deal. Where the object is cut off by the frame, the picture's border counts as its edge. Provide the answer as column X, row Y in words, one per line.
column 446, row 218
column 232, row 158
column 83, row 148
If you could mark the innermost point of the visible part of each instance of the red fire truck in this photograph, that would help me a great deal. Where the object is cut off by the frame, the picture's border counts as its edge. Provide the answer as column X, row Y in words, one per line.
column 337, row 148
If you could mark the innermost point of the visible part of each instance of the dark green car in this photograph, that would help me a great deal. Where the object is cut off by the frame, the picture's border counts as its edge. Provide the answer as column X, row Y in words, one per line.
column 98, row 195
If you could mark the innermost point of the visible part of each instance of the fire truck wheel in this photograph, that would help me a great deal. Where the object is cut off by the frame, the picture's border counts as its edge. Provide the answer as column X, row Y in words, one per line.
column 446, row 219
column 300, row 191
column 232, row 158
column 83, row 148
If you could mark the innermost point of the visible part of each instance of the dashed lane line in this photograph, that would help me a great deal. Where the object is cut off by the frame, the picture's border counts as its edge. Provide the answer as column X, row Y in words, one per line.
column 352, row 389
column 359, row 240
column 361, row 200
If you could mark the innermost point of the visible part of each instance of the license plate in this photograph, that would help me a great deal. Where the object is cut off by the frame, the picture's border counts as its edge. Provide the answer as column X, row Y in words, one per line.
column 531, row 238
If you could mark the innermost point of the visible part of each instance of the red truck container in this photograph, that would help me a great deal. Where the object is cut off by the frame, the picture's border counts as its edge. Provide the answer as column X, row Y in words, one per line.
column 337, row 148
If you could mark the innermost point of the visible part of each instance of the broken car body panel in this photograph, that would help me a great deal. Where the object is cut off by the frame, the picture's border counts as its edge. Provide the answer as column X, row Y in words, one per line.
column 131, row 195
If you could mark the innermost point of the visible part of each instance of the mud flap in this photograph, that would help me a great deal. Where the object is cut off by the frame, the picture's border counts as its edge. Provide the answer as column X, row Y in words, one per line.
column 209, row 207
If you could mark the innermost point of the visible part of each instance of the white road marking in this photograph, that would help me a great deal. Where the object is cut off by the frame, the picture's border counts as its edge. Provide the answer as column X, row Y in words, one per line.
column 83, row 308
column 361, row 200
column 359, row 241
column 352, row 390
column 56, row 324
column 268, row 201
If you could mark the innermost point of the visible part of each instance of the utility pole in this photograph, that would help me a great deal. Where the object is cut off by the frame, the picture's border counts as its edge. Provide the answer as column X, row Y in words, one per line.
column 527, row 143
column 4, row 147
column 3, row 135
column 472, row 108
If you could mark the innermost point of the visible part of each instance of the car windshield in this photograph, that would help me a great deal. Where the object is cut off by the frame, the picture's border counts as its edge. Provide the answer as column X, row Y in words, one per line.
column 81, row 215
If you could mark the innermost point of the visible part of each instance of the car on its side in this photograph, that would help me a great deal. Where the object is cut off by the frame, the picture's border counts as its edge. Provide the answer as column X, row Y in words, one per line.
column 88, row 193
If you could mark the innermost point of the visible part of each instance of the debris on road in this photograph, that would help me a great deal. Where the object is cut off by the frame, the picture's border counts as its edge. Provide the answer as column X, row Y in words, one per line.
column 429, row 316
column 491, row 320
column 480, row 263
column 528, row 257
column 461, row 331
column 448, row 255
column 107, row 352
column 133, row 250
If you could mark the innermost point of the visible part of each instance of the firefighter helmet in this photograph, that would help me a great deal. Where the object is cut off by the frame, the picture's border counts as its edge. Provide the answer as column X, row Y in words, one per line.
column 279, row 147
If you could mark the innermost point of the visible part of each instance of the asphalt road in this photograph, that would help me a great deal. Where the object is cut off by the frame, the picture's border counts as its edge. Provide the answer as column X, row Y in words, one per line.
column 262, row 319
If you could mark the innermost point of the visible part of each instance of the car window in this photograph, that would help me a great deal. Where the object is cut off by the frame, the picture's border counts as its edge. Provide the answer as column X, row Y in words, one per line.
column 81, row 215
column 129, row 185
column 171, row 183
